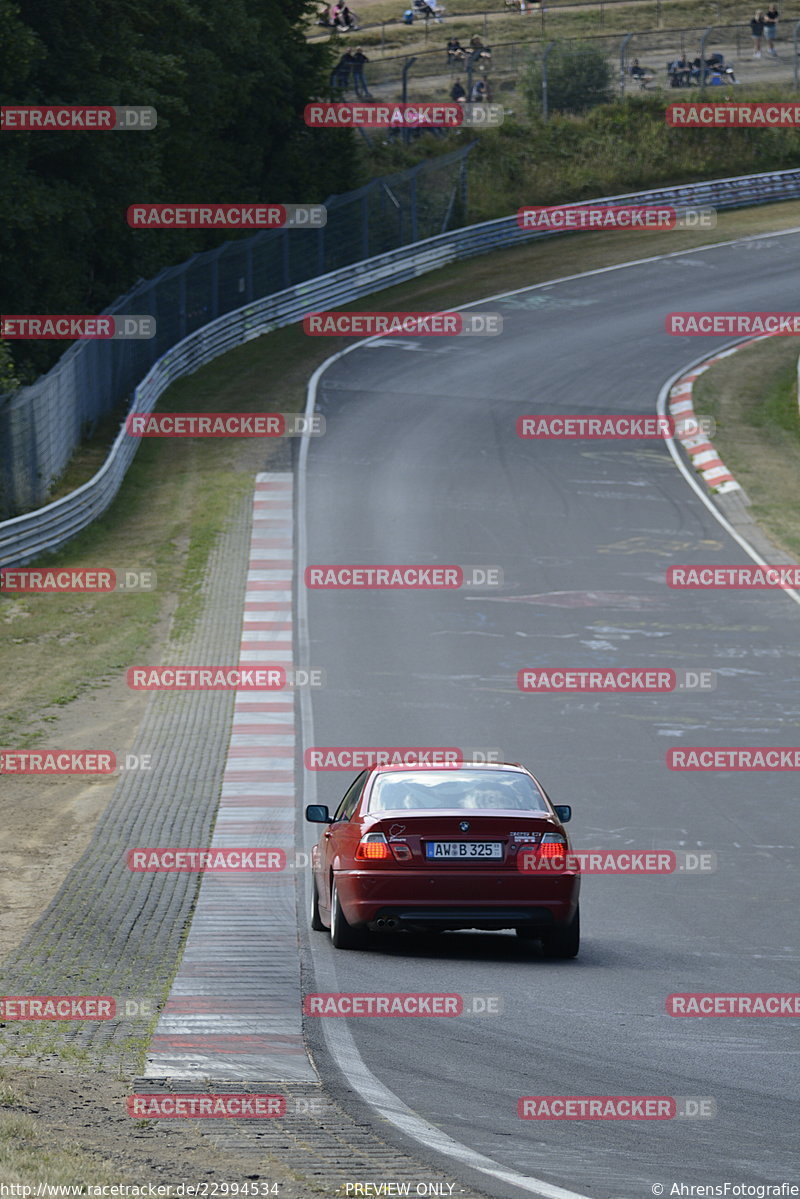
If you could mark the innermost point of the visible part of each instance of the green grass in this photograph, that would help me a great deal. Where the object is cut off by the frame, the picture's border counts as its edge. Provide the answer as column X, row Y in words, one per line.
column 752, row 396
column 466, row 18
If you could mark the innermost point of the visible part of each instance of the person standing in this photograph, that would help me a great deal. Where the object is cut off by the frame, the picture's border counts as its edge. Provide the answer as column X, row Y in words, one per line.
column 771, row 29
column 757, row 30
column 340, row 79
column 359, row 82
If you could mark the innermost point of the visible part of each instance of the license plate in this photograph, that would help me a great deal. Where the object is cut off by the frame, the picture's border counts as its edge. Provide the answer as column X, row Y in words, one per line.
column 459, row 850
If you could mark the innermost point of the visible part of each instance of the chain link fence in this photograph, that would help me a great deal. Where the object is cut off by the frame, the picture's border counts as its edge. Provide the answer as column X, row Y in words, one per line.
column 41, row 425
column 431, row 73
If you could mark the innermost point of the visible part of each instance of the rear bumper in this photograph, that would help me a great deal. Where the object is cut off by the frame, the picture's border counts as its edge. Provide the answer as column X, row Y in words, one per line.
column 468, row 899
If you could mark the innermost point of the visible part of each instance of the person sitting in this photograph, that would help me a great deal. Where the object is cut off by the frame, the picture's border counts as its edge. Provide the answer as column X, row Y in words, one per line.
column 479, row 51
column 639, row 73
column 408, row 17
column 478, row 93
column 679, row 72
column 455, row 51
column 457, row 92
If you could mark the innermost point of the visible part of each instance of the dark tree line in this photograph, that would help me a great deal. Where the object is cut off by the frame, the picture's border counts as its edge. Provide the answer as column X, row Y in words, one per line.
column 229, row 79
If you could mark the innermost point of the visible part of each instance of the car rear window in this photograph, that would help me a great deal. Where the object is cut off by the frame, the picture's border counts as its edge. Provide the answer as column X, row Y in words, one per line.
column 470, row 790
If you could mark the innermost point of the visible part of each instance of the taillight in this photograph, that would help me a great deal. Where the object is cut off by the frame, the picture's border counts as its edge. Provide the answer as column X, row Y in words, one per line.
column 373, row 848
column 552, row 846
column 400, row 850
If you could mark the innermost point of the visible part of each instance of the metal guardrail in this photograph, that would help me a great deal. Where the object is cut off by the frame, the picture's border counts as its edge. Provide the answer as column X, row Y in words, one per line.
column 27, row 537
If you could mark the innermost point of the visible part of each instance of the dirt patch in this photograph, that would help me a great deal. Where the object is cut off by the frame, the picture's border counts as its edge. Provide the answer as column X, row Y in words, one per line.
column 61, row 1128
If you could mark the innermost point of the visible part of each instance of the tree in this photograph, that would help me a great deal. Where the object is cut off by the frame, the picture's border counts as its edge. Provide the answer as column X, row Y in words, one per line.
column 229, row 80
column 578, row 78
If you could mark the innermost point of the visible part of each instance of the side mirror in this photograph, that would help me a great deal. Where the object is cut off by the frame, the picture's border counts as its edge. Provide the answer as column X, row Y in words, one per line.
column 317, row 813
column 563, row 812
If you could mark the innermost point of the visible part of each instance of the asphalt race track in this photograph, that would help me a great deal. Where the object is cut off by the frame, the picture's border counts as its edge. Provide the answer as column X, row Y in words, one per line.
column 421, row 464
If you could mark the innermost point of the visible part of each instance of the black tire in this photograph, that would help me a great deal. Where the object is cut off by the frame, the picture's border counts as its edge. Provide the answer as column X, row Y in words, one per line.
column 343, row 935
column 564, row 942
column 316, row 920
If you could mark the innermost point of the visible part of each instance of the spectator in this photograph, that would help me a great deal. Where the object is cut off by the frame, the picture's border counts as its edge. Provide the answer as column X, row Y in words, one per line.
column 640, row 73
column 478, row 93
column 455, row 51
column 771, row 29
column 679, row 72
column 359, row 82
column 408, row 17
column 325, row 16
column 334, row 12
column 347, row 19
column 757, row 30
column 457, row 92
column 340, row 78
column 479, row 52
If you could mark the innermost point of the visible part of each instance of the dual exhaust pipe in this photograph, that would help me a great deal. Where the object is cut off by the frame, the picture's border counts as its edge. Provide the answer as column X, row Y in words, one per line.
column 388, row 922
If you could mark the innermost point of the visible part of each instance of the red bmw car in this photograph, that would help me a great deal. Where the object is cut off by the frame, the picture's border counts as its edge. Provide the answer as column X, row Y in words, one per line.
column 428, row 849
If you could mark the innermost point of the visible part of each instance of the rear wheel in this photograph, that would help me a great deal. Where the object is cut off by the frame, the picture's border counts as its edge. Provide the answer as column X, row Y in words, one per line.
column 316, row 921
column 564, row 942
column 343, row 935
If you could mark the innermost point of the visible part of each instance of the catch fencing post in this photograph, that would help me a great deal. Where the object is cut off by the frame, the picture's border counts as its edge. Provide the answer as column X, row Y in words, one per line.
column 622, row 50
column 408, row 64
column 797, row 26
column 547, row 50
column 703, row 41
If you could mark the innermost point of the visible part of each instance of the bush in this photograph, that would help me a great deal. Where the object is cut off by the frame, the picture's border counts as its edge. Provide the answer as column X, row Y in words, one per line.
column 578, row 78
column 8, row 379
